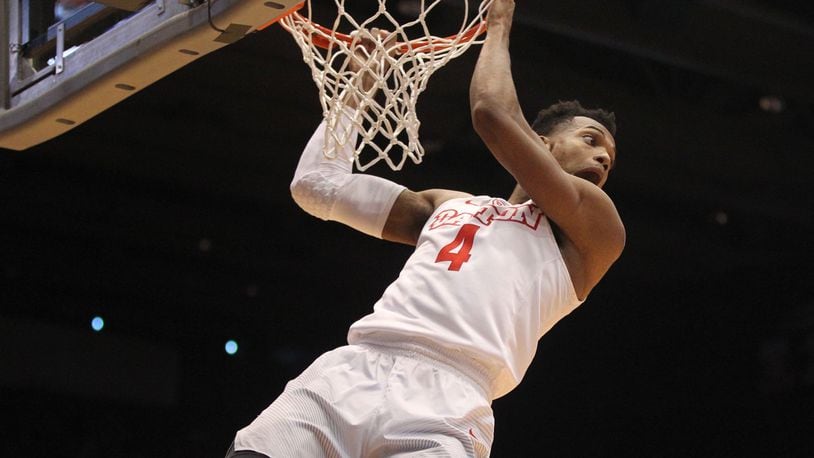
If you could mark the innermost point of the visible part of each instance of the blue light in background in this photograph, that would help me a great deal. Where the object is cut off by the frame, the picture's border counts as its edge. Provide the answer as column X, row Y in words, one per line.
column 231, row 347
column 97, row 323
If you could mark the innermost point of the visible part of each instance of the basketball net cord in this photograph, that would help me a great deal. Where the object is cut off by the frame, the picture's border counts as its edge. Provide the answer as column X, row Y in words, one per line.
column 400, row 66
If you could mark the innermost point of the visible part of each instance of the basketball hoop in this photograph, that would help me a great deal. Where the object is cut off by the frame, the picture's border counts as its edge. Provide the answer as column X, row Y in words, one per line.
column 401, row 65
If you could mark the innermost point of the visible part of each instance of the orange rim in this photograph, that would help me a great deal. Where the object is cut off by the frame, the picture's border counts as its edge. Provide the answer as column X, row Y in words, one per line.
column 404, row 47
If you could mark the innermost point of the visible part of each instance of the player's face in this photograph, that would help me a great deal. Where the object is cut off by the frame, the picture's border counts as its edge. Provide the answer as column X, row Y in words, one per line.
column 584, row 148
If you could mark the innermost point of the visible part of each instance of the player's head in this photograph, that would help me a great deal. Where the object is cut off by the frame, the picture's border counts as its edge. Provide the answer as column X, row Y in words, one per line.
column 580, row 139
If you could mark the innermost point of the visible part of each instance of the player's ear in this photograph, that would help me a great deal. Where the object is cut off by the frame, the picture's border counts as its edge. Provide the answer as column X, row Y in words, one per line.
column 545, row 140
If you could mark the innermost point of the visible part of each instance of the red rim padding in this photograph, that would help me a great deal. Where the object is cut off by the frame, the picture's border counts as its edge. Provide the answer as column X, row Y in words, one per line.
column 326, row 43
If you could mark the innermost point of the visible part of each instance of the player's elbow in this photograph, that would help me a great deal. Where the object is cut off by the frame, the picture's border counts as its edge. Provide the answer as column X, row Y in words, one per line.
column 619, row 242
column 313, row 193
column 613, row 243
column 485, row 117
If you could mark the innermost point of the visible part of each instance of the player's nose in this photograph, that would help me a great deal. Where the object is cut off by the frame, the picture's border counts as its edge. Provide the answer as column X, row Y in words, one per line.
column 603, row 158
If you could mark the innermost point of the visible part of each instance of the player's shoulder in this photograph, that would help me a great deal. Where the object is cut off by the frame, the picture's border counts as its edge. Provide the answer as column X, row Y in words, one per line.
column 437, row 197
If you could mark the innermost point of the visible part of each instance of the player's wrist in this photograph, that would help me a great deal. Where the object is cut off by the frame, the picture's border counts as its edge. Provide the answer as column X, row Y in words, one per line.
column 500, row 16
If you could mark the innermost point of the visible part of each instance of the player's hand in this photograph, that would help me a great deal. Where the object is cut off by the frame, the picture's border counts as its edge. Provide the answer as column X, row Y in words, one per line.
column 368, row 60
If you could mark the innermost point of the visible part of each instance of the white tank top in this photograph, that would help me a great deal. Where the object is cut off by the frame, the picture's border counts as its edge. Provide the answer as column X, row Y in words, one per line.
column 486, row 279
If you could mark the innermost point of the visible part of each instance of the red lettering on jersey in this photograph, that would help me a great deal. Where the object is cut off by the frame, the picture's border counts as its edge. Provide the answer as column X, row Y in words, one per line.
column 489, row 213
column 528, row 215
column 448, row 218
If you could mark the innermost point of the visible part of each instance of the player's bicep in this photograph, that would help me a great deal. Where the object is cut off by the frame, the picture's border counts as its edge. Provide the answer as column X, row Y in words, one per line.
column 411, row 211
column 596, row 232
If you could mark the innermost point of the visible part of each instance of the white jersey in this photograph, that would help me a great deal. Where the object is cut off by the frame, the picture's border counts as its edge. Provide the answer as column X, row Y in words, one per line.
column 486, row 279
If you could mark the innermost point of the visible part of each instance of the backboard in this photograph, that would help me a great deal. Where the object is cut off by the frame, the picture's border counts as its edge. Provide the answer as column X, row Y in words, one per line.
column 59, row 72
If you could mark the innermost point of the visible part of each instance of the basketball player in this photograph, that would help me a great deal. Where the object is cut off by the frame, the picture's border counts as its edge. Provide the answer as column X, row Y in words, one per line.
column 488, row 278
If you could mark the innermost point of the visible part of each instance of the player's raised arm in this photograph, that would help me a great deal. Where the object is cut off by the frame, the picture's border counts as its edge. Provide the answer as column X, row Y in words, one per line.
column 326, row 187
column 584, row 214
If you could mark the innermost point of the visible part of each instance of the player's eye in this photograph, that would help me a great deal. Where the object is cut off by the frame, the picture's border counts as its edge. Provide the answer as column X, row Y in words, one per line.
column 589, row 139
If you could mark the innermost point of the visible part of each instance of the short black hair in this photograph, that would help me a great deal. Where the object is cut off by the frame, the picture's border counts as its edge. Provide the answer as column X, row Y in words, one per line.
column 564, row 111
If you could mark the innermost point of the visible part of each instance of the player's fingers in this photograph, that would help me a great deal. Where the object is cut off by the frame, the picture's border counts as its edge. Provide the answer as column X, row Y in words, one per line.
column 389, row 39
column 368, row 40
column 360, row 39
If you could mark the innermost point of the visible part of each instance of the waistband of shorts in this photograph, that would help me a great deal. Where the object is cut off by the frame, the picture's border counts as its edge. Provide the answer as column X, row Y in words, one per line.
column 454, row 361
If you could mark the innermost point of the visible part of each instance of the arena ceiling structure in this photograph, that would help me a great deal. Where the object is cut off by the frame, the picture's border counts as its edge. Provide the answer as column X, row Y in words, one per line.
column 168, row 216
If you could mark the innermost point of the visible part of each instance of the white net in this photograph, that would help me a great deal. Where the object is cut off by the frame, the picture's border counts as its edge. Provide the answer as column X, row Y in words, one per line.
column 401, row 64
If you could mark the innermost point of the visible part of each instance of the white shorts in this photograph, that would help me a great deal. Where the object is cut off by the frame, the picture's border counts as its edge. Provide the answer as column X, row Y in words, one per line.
column 371, row 401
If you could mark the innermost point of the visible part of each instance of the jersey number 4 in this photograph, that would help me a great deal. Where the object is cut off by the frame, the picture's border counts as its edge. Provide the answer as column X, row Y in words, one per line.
column 463, row 243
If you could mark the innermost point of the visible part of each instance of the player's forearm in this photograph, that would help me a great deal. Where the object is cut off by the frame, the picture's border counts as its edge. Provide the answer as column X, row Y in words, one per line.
column 492, row 87
column 496, row 113
column 326, row 187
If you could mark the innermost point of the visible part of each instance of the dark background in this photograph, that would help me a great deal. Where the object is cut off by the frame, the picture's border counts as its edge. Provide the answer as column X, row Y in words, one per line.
column 169, row 215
